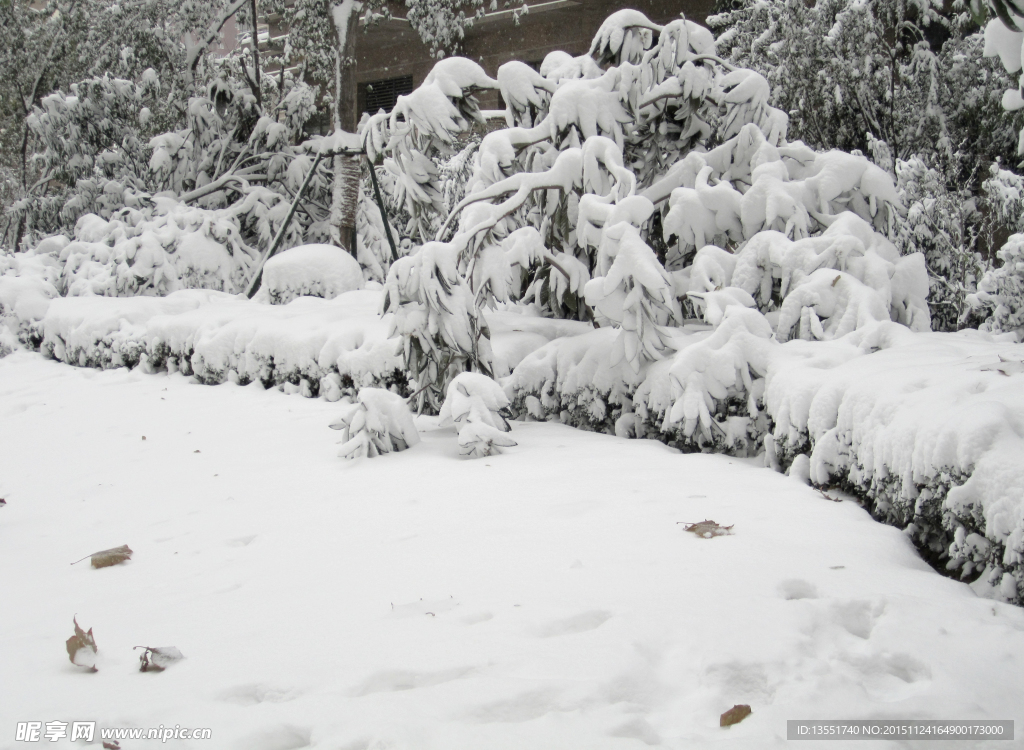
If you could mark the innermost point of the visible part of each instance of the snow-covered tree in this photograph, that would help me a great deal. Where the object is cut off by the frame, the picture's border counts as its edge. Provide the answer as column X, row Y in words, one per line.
column 617, row 173
column 905, row 82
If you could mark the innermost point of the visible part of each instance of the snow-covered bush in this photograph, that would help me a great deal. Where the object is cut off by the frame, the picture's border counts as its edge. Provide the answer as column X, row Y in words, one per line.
column 433, row 310
column 473, row 404
column 1001, row 290
column 906, row 82
column 377, row 422
column 311, row 271
column 28, row 281
column 948, row 226
column 1000, row 293
column 159, row 247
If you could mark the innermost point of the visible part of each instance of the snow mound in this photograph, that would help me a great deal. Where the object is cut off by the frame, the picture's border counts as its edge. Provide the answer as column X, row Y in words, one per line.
column 311, row 271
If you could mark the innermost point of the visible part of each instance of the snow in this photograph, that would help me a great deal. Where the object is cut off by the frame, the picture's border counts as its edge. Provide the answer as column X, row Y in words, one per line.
column 311, row 271
column 547, row 597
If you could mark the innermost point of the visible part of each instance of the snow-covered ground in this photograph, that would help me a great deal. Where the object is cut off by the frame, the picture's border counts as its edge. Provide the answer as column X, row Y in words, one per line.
column 544, row 598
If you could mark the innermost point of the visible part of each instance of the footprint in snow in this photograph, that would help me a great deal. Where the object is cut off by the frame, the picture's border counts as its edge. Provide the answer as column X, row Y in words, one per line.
column 739, row 682
column 637, row 729
column 280, row 737
column 796, row 588
column 523, row 707
column 242, row 541
column 394, row 680
column 580, row 623
column 858, row 617
column 249, row 694
column 891, row 677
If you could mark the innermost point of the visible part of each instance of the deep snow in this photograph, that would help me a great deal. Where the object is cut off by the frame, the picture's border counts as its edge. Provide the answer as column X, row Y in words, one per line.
column 543, row 598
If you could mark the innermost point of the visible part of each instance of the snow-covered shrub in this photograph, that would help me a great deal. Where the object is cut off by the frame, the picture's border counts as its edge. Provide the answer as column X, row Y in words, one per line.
column 709, row 396
column 28, row 281
column 567, row 192
column 1001, row 290
column 433, row 310
column 311, row 271
column 312, row 347
column 947, row 226
column 156, row 249
column 377, row 422
column 907, row 82
column 473, row 404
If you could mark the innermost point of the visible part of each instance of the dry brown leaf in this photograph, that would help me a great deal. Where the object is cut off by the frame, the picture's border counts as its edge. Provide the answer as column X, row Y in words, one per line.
column 107, row 557
column 734, row 715
column 82, row 648
column 159, row 658
column 707, row 529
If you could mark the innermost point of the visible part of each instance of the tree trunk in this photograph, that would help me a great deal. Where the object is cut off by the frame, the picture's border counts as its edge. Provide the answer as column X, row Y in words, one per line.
column 258, row 91
column 345, row 193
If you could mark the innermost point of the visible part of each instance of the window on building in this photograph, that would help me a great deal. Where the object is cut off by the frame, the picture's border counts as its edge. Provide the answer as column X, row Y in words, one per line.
column 377, row 95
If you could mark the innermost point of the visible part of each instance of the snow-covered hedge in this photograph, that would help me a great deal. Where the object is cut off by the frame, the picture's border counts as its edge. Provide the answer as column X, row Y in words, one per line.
column 312, row 346
column 923, row 427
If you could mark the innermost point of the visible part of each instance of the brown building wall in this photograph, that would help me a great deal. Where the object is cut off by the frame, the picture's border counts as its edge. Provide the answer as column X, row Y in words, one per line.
column 394, row 49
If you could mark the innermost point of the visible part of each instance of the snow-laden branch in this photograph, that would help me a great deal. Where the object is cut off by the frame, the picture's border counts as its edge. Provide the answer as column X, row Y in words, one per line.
column 193, row 53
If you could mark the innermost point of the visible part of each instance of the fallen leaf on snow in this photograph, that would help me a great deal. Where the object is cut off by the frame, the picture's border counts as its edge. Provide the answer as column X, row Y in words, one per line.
column 159, row 658
column 707, row 529
column 734, row 715
column 107, row 557
column 82, row 648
